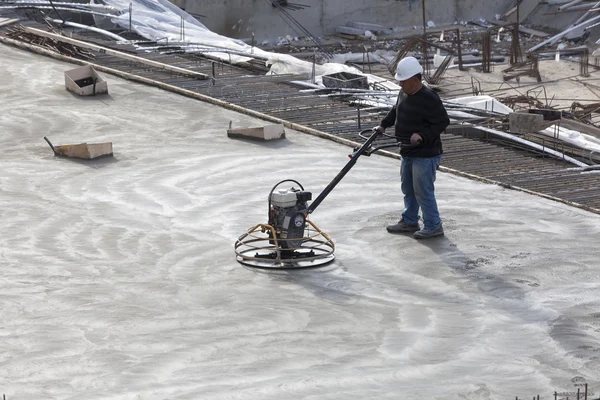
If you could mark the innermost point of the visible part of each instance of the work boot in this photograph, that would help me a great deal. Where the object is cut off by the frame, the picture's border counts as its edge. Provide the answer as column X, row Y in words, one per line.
column 403, row 227
column 427, row 233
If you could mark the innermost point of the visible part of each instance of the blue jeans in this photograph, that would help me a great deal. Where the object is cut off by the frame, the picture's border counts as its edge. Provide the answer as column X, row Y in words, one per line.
column 418, row 176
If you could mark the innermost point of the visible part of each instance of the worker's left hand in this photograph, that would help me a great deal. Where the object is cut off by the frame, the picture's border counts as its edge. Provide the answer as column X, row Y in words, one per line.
column 416, row 139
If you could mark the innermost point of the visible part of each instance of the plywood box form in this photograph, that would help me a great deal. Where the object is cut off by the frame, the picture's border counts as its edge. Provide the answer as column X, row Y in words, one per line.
column 267, row 132
column 86, row 151
column 89, row 75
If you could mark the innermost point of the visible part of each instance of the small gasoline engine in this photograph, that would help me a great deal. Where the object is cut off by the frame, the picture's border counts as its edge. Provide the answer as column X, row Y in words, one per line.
column 288, row 210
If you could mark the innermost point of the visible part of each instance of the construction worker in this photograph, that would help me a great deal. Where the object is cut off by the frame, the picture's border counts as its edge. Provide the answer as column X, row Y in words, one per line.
column 419, row 117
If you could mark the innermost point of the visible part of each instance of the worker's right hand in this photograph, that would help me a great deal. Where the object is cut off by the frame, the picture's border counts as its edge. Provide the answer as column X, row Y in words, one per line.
column 379, row 128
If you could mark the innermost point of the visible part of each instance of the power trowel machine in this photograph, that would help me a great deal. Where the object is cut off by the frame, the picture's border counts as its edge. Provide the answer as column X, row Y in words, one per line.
column 290, row 239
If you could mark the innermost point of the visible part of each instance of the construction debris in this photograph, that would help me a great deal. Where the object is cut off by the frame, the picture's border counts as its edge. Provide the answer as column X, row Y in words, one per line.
column 104, row 50
column 18, row 33
column 417, row 42
column 357, row 30
column 8, row 21
column 345, row 80
column 528, row 67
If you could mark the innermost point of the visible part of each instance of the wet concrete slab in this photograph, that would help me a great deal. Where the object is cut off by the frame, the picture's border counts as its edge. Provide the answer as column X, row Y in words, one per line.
column 119, row 277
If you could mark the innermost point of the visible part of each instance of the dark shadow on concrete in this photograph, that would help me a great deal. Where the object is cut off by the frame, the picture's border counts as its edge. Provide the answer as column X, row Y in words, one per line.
column 96, row 163
column 104, row 97
column 342, row 289
column 512, row 298
column 470, row 266
column 270, row 144
column 319, row 281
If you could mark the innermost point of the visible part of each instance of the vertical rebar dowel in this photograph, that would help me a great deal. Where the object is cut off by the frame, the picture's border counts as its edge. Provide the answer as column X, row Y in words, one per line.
column 425, row 56
column 578, row 389
column 358, row 118
column 555, row 396
column 252, row 46
column 181, row 32
column 515, row 50
column 130, row 12
column 363, row 63
column 486, row 52
column 213, row 72
column 424, row 22
column 314, row 68
column 585, row 393
column 459, row 50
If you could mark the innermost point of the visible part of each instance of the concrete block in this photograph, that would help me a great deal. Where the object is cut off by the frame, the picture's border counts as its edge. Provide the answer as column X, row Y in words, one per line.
column 85, row 81
column 267, row 132
column 526, row 123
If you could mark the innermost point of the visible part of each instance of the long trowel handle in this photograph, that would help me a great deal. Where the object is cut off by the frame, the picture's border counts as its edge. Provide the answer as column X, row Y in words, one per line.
column 362, row 149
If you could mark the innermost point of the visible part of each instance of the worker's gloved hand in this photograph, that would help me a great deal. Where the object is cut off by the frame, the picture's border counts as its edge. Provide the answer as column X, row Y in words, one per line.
column 416, row 139
column 379, row 128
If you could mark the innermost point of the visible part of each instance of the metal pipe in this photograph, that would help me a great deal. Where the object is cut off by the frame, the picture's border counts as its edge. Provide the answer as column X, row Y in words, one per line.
column 62, row 4
column 564, row 7
column 584, row 16
column 563, row 33
column 424, row 22
column 571, row 27
column 536, row 146
column 130, row 15
column 70, row 9
column 89, row 28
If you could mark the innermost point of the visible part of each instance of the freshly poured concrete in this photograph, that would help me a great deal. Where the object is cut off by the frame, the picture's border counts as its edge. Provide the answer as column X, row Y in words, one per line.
column 118, row 277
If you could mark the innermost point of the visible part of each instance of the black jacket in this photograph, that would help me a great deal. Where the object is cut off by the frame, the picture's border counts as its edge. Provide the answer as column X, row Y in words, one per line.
column 422, row 113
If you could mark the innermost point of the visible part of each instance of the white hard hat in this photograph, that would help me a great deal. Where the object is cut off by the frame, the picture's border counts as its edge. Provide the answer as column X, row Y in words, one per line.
column 407, row 68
